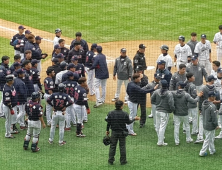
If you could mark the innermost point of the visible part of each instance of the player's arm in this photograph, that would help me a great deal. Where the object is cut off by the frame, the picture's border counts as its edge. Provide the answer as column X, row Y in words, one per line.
column 204, row 74
column 213, row 114
column 12, row 40
column 172, row 84
column 95, row 63
column 153, row 98
column 49, row 100
column 130, row 69
column 115, row 70
column 83, row 71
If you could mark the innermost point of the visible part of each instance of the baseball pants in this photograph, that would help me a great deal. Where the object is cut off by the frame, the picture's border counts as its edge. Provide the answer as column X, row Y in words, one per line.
column 39, row 67
column 85, row 116
column 119, row 84
column 143, row 113
column 90, row 80
column 194, row 114
column 48, row 109
column 102, row 83
column 133, row 111
column 34, row 128
column 207, row 65
column 161, row 124
column 79, row 109
column 21, row 116
column 57, row 118
column 36, row 87
column 154, row 115
column 219, row 54
column 220, row 118
column 1, row 105
column 177, row 121
column 8, row 120
column 208, row 142
column 70, row 115
column 180, row 62
column 200, row 134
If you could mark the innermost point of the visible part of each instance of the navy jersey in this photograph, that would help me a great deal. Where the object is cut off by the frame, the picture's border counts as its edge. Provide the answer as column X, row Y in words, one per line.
column 29, row 82
column 22, row 44
column 74, row 53
column 9, row 96
column 84, row 49
column 64, row 51
column 12, row 68
column 89, row 58
column 36, row 77
column 70, row 87
column 65, row 77
column 33, row 110
column 80, row 70
column 4, row 71
column 48, row 84
column 80, row 96
column 36, row 52
column 59, row 100
column 16, row 40
column 21, row 90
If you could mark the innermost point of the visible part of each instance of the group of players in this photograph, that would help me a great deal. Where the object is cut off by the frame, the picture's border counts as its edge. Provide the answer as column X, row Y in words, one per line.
column 66, row 88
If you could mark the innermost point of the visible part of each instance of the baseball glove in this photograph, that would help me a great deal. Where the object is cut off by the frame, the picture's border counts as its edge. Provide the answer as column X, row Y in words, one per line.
column 106, row 140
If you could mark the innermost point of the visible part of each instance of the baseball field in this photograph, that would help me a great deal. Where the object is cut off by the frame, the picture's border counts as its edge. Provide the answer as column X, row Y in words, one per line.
column 112, row 24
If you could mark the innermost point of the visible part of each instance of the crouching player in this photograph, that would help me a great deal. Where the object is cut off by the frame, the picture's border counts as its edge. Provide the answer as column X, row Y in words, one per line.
column 34, row 112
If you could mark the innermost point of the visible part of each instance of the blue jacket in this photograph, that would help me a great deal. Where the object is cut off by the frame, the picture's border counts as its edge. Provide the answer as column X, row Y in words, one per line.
column 100, row 66
column 36, row 51
column 21, row 90
column 4, row 71
column 164, row 74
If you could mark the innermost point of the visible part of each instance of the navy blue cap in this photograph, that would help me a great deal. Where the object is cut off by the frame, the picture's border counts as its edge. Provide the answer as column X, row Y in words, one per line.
column 157, row 76
column 60, row 55
column 99, row 48
column 70, row 74
column 71, row 65
column 38, row 38
column 34, row 61
column 74, row 58
column 161, row 62
column 16, row 64
column 55, row 60
column 164, row 83
column 123, row 50
column 219, row 70
column 211, row 94
column 63, row 64
column 21, row 27
column 142, row 46
column 203, row 36
column 27, row 32
column 20, row 71
column 139, row 68
column 57, row 46
column 210, row 78
column 194, row 57
column 182, row 84
column 94, row 45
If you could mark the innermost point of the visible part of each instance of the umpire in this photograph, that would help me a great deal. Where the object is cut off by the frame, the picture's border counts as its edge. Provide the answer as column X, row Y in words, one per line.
column 117, row 120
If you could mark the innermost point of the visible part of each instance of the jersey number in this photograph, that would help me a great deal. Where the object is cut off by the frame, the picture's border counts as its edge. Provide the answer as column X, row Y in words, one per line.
column 70, row 91
column 59, row 103
column 76, row 96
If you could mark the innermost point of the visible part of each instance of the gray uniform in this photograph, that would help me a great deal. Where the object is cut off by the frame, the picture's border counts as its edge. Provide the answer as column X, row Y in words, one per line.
column 175, row 79
column 192, row 45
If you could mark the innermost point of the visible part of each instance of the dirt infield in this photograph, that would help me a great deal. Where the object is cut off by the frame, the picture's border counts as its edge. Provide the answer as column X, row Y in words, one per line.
column 110, row 49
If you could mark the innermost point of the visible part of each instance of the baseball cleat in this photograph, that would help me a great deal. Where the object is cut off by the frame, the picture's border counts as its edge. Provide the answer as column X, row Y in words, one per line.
column 36, row 150
column 10, row 136
column 3, row 117
column 191, row 122
column 85, row 121
column 49, row 125
column 25, row 148
column 126, row 102
column 82, row 135
column 14, row 132
column 184, row 131
column 177, row 144
column 114, row 99
column 189, row 141
column 205, row 154
column 150, row 116
column 67, row 129
column 212, row 153
column 23, row 128
column 164, row 144
column 98, row 104
column 218, row 137
column 50, row 142
column 110, row 163
column 133, row 134
column 142, row 125
column 198, row 141
column 63, row 143
column 124, row 163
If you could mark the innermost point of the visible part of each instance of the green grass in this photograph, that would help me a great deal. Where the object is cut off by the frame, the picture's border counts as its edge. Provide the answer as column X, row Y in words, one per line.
column 6, row 49
column 116, row 20
column 90, row 153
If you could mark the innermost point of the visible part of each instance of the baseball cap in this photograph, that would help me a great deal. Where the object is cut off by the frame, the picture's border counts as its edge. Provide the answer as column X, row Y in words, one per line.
column 203, row 36
column 21, row 27
column 182, row 84
column 211, row 94
column 194, row 58
column 5, row 58
column 63, row 64
column 70, row 74
column 38, row 38
column 20, row 71
column 210, row 78
column 161, row 62
column 164, row 83
column 123, row 50
column 157, row 76
column 142, row 46
column 27, row 32
column 34, row 61
column 74, row 58
column 94, row 45
column 71, row 65
column 219, row 70
column 60, row 55
column 55, row 60
column 16, row 64
column 139, row 68
column 57, row 46
column 77, row 43
column 99, row 48
column 78, row 34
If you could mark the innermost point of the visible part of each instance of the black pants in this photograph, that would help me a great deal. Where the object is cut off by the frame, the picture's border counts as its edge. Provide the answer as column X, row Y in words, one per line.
column 115, row 137
column 143, row 113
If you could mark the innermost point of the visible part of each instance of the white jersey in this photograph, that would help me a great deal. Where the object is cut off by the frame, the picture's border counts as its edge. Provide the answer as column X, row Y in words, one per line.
column 182, row 52
column 167, row 59
column 56, row 41
column 217, row 82
column 218, row 39
column 203, row 50
column 58, row 79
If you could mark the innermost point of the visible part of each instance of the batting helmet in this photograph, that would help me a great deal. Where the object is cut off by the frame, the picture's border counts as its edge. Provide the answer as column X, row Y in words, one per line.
column 35, row 95
column 106, row 140
column 181, row 37
column 58, row 30
column 61, row 87
column 164, row 47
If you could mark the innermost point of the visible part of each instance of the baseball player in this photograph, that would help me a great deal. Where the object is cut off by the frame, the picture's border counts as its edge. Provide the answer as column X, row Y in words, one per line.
column 163, row 72
column 101, row 76
column 218, row 41
column 49, row 87
column 166, row 57
column 79, row 67
column 64, row 50
column 139, row 58
column 135, row 91
column 16, row 67
column 203, row 50
column 63, row 66
column 209, row 112
column 70, row 85
column 35, row 119
column 123, row 68
column 193, row 42
column 56, row 66
column 36, row 76
column 80, row 98
column 9, row 106
column 209, row 87
column 181, row 100
column 90, row 55
column 16, row 39
column 198, row 71
column 58, row 33
column 4, row 71
column 56, row 51
column 59, row 101
column 28, row 56
column 76, row 51
column 181, row 51
column 17, row 59
column 23, row 41
column 83, row 46
column 21, row 90
column 178, row 76
column 163, row 99
column 60, row 57
column 71, row 68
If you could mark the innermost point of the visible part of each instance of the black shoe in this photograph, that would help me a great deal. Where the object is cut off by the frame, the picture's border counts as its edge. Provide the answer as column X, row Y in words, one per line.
column 3, row 117
column 111, row 163
column 124, row 163
column 142, row 125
